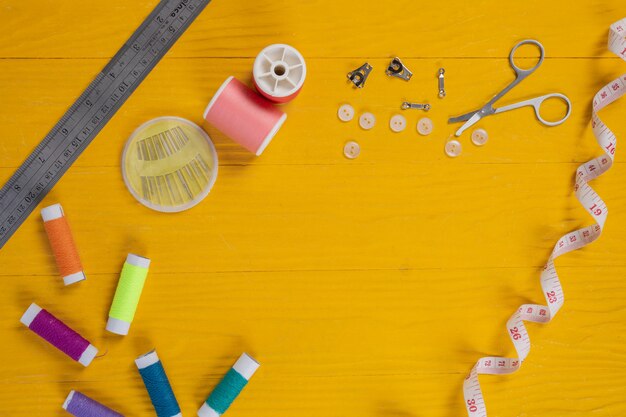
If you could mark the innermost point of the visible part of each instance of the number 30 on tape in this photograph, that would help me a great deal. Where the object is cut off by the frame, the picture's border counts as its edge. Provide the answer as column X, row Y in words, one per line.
column 553, row 292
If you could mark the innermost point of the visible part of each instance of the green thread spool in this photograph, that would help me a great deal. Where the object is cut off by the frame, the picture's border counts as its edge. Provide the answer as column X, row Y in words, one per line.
column 127, row 295
column 229, row 387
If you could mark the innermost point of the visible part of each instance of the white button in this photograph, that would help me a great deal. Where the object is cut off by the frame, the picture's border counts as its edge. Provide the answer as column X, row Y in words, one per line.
column 351, row 150
column 479, row 137
column 424, row 126
column 367, row 121
column 345, row 113
column 453, row 148
column 397, row 123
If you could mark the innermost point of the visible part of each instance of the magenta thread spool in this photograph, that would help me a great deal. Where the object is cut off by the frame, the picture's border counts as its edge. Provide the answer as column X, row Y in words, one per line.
column 244, row 116
column 80, row 405
column 58, row 334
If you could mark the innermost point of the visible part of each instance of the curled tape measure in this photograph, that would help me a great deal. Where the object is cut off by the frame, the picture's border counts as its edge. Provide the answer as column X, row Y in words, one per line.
column 577, row 239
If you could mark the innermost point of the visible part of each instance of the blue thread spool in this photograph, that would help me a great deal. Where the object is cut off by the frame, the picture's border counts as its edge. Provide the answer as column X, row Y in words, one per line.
column 229, row 387
column 157, row 384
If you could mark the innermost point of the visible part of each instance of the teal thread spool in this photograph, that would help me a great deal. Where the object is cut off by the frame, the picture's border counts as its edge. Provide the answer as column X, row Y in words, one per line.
column 158, row 386
column 229, row 387
column 126, row 299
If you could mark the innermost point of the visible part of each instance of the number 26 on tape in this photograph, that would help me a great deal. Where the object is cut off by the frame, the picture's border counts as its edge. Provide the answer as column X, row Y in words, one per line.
column 515, row 333
column 551, row 297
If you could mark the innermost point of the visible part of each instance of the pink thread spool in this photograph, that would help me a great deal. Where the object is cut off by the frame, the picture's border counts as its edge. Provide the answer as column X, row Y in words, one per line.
column 58, row 334
column 279, row 72
column 244, row 116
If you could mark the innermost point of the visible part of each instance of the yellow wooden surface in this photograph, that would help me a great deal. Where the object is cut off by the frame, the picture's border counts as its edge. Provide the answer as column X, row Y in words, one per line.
column 365, row 287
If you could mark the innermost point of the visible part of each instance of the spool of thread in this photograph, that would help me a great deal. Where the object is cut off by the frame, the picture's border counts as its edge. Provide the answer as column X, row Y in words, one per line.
column 80, row 405
column 157, row 384
column 58, row 334
column 244, row 116
column 127, row 294
column 279, row 72
column 229, row 387
column 62, row 243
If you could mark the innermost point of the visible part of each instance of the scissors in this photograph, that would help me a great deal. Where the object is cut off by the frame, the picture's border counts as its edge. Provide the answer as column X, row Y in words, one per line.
column 473, row 117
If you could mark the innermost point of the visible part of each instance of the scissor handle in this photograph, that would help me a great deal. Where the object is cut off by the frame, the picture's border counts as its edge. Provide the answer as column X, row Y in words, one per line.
column 536, row 104
column 539, row 101
column 523, row 73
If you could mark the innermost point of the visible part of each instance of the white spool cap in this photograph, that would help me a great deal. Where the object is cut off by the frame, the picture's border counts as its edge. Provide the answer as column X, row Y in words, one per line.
column 246, row 366
column 137, row 260
column 68, row 400
column 279, row 72
column 88, row 355
column 147, row 359
column 30, row 314
column 206, row 411
column 118, row 326
column 52, row 212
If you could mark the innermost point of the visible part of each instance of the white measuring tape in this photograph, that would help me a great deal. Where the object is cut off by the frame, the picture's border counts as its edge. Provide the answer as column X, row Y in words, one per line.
column 550, row 284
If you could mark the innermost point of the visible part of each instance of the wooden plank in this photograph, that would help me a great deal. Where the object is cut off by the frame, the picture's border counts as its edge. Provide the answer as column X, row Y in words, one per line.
column 334, row 342
column 331, row 217
column 313, row 134
column 324, row 29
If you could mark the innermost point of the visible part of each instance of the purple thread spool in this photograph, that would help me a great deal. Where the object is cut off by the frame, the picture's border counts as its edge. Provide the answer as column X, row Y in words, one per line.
column 55, row 332
column 80, row 405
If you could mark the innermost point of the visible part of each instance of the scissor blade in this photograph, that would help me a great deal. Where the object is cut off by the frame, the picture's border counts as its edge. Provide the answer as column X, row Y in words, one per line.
column 462, row 118
column 475, row 118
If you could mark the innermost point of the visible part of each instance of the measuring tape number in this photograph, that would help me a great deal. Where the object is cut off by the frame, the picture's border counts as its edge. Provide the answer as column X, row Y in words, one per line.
column 553, row 292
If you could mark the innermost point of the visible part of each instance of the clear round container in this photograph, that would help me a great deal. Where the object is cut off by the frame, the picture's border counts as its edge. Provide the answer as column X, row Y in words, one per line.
column 169, row 164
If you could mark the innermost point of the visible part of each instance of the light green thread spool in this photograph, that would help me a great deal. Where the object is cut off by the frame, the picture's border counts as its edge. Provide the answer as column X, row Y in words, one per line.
column 127, row 295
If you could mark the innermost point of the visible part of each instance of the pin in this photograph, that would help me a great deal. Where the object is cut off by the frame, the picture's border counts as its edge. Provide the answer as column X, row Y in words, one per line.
column 407, row 105
column 397, row 69
column 442, row 90
column 359, row 75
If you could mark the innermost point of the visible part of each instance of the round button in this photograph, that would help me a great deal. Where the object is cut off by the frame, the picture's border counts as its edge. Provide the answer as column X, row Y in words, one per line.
column 367, row 121
column 345, row 113
column 397, row 123
column 453, row 148
column 424, row 126
column 351, row 150
column 479, row 137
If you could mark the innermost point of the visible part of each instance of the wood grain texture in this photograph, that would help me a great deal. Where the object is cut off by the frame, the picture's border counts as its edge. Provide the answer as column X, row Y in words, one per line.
column 365, row 287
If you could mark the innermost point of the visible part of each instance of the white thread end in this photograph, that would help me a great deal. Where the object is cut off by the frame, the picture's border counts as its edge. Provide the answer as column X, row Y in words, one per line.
column 271, row 135
column 279, row 71
column 52, row 212
column 88, row 355
column 118, row 326
column 206, row 411
column 74, row 278
column 137, row 260
column 68, row 400
column 217, row 94
column 30, row 314
column 246, row 366
column 147, row 359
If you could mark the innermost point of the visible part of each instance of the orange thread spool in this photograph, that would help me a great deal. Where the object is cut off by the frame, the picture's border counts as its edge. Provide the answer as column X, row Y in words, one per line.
column 62, row 243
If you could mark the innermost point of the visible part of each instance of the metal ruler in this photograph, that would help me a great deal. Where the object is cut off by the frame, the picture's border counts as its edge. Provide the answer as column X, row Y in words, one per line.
column 93, row 109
